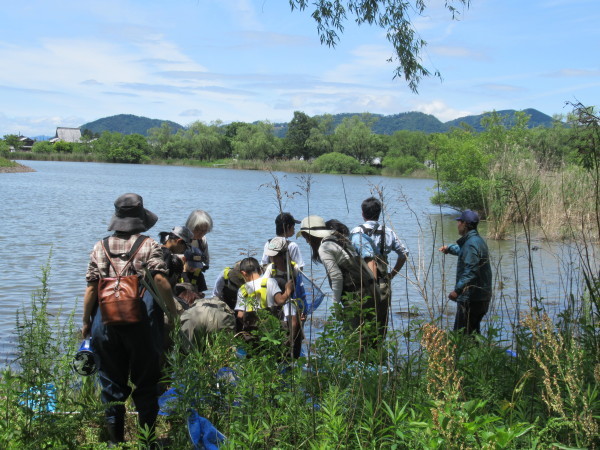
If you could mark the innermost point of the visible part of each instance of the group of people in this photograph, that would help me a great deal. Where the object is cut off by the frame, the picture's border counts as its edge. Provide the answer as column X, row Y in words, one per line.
column 357, row 263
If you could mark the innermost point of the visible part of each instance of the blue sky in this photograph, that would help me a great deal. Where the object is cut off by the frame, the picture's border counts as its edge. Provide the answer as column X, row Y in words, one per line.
column 65, row 63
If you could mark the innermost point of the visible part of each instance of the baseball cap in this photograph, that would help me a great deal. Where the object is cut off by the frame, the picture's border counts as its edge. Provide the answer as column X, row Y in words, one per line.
column 285, row 218
column 468, row 216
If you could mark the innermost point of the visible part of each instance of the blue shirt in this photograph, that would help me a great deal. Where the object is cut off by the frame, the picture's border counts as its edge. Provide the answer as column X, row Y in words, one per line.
column 370, row 246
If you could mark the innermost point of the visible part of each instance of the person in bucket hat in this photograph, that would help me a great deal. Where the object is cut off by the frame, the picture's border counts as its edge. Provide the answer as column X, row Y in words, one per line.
column 473, row 288
column 131, row 351
column 130, row 215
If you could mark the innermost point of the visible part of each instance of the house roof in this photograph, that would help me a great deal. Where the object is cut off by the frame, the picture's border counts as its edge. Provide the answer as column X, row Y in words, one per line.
column 67, row 134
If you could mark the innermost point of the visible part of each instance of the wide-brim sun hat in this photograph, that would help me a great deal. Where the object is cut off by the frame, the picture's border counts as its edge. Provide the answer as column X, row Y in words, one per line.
column 130, row 215
column 315, row 226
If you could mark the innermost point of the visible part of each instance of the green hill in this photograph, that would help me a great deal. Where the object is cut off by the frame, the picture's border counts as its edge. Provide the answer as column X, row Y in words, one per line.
column 536, row 119
column 127, row 124
column 418, row 121
column 412, row 121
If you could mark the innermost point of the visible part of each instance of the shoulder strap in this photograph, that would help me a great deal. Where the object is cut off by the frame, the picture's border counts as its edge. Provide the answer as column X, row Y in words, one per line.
column 382, row 241
column 132, row 251
column 340, row 240
column 130, row 254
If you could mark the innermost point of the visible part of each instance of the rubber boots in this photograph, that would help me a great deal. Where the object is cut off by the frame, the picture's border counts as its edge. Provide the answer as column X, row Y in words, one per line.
column 116, row 430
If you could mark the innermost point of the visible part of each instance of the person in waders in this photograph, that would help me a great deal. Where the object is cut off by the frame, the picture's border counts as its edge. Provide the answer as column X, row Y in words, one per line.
column 355, row 290
column 374, row 243
column 128, row 347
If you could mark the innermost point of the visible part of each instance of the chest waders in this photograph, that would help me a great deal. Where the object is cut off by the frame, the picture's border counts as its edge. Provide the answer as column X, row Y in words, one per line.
column 385, row 288
column 381, row 258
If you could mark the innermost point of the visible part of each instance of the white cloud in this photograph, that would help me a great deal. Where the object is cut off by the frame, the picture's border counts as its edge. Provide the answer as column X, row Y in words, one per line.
column 569, row 73
column 368, row 61
column 455, row 52
column 440, row 110
column 191, row 113
column 31, row 126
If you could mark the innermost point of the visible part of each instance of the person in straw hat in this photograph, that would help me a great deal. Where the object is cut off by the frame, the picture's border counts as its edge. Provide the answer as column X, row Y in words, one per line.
column 355, row 290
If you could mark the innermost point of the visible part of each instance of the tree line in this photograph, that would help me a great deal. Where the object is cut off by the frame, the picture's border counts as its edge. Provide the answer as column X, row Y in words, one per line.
column 474, row 169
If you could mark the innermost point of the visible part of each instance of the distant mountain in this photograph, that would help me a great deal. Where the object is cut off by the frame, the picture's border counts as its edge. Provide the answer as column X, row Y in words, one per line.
column 127, row 124
column 412, row 121
column 418, row 121
column 536, row 119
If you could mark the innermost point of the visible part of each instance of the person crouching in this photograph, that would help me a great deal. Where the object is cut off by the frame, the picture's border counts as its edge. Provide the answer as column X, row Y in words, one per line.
column 261, row 292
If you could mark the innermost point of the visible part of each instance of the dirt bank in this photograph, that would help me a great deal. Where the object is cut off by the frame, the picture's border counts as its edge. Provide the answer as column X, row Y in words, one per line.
column 17, row 168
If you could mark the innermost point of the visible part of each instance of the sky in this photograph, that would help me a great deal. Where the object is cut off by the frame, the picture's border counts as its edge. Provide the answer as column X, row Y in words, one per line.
column 66, row 62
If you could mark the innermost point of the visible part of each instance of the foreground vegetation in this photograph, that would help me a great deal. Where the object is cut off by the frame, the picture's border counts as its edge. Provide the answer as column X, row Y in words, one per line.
column 426, row 388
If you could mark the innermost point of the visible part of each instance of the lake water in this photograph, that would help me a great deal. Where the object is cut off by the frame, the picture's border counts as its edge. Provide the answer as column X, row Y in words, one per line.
column 64, row 208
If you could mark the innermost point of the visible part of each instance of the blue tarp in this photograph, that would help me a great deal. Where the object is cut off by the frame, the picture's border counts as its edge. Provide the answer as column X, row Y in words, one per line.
column 203, row 434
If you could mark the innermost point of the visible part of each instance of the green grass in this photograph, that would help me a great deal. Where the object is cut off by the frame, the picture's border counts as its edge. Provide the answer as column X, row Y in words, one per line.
column 7, row 163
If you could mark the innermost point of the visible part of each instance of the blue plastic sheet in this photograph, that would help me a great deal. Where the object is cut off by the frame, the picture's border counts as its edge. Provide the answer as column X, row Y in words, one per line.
column 203, row 434
column 39, row 400
column 167, row 402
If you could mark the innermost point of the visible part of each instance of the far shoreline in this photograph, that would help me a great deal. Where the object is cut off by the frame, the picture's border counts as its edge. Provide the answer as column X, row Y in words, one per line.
column 274, row 165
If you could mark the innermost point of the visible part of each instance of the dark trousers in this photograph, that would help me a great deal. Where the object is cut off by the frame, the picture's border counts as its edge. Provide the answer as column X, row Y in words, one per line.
column 382, row 308
column 130, row 352
column 469, row 315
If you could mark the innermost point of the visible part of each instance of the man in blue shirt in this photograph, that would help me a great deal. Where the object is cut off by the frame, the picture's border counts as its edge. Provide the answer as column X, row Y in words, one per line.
column 473, row 289
column 374, row 242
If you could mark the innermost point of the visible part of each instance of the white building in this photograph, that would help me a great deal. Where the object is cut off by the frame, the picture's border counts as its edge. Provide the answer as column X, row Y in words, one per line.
column 67, row 135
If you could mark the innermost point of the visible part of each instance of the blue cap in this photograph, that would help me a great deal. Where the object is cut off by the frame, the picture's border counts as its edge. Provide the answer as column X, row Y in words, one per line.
column 468, row 216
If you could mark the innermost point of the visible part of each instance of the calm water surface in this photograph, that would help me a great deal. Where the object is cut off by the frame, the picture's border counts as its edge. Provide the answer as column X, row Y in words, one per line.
column 63, row 208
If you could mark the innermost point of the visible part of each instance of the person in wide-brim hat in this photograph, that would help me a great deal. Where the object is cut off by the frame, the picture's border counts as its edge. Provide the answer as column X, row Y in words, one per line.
column 130, row 215
column 314, row 226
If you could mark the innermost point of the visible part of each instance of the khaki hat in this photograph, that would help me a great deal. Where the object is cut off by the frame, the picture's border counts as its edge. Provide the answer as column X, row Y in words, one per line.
column 276, row 246
column 315, row 226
